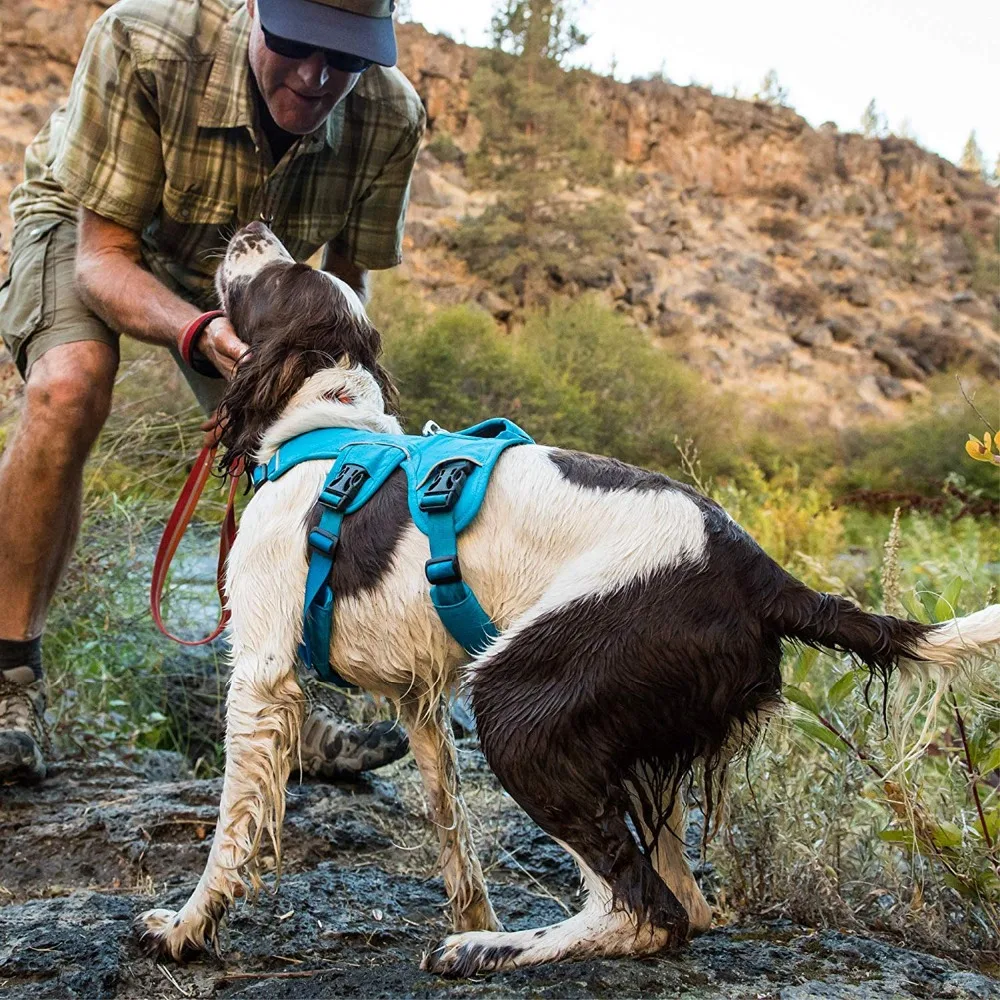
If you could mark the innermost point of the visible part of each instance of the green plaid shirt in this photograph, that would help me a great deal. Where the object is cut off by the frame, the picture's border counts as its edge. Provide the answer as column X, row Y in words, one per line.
column 160, row 134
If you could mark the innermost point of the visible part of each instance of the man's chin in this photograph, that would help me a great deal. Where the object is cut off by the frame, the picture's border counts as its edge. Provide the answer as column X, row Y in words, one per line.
column 299, row 115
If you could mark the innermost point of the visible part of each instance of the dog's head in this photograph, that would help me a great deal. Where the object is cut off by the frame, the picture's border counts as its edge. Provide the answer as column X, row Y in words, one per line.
column 296, row 321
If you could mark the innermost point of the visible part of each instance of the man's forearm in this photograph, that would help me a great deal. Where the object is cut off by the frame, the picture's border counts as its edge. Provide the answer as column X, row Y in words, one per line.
column 130, row 300
column 348, row 272
column 113, row 283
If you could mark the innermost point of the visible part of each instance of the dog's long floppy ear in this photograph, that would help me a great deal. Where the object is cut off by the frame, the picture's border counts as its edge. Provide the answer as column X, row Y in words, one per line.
column 296, row 323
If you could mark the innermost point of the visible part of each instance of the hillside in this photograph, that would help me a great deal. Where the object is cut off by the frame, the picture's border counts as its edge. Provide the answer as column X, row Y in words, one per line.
column 790, row 262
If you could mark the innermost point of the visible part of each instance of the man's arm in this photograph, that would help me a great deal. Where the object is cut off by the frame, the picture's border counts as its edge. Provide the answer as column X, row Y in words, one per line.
column 113, row 283
column 349, row 272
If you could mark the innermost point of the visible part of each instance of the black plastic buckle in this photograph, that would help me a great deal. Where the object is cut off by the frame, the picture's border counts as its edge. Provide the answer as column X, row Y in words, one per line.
column 446, row 487
column 444, row 569
column 339, row 494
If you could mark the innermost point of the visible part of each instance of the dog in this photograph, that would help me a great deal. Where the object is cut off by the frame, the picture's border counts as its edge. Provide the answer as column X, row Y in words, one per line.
column 641, row 632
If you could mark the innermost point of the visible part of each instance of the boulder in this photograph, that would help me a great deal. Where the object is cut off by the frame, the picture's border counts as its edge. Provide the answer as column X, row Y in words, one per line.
column 817, row 335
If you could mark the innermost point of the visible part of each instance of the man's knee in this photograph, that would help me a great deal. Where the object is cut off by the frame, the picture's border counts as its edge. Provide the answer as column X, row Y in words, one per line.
column 69, row 389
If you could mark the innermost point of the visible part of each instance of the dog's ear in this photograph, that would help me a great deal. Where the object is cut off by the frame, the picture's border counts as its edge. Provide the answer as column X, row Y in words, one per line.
column 263, row 383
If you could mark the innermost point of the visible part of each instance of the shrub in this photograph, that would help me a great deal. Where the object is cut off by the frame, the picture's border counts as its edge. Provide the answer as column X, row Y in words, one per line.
column 781, row 227
column 444, row 149
column 577, row 375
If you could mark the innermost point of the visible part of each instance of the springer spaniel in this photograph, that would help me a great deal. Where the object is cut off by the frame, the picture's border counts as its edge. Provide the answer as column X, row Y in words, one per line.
column 641, row 632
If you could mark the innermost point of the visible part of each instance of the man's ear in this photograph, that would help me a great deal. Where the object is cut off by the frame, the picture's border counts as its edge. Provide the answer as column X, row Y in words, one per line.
column 344, row 361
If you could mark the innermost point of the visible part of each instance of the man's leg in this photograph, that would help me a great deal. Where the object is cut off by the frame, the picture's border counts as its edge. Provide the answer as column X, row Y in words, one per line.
column 66, row 401
column 69, row 359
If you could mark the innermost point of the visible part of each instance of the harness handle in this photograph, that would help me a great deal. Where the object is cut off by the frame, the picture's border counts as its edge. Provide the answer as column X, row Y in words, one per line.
column 180, row 518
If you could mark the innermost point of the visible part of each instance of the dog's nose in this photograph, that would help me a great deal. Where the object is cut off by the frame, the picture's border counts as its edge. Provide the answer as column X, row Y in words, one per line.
column 256, row 227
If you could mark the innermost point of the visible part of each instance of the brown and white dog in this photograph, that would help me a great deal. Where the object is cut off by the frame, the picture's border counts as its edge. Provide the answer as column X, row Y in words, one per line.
column 641, row 632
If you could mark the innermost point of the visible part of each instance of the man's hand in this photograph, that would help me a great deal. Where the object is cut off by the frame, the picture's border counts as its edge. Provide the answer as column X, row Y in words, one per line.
column 213, row 428
column 221, row 346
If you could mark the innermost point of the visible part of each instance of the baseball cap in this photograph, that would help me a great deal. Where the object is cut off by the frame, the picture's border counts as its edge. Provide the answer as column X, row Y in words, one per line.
column 360, row 27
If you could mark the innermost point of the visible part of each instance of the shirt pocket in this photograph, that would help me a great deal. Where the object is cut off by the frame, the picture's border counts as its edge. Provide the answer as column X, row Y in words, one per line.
column 191, row 205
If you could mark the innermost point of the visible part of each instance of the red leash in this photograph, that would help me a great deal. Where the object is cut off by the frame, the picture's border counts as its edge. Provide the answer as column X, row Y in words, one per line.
column 174, row 532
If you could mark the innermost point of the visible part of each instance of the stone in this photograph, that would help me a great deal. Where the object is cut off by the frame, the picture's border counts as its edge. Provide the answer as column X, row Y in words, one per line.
column 496, row 305
column 816, row 335
column 898, row 361
column 892, row 388
column 844, row 329
column 857, row 292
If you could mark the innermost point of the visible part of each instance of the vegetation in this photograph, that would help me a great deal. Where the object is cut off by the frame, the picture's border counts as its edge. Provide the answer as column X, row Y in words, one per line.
column 830, row 822
column 539, row 155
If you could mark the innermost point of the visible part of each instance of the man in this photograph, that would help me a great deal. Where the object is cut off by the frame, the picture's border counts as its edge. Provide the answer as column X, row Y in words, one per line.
column 186, row 118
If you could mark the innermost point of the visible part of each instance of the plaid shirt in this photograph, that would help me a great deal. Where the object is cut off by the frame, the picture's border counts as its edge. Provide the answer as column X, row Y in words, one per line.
column 160, row 134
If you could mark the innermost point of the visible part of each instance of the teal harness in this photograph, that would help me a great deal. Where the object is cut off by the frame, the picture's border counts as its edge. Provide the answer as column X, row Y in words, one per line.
column 447, row 475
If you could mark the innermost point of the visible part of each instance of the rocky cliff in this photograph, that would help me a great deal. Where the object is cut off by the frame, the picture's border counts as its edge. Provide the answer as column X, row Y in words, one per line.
column 790, row 261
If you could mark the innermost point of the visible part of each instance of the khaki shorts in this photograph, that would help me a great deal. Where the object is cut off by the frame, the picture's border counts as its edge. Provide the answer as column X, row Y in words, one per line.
column 40, row 309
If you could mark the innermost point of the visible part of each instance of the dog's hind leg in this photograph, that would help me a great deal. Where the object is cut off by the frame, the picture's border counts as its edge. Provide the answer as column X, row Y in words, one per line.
column 434, row 751
column 553, row 745
column 672, row 866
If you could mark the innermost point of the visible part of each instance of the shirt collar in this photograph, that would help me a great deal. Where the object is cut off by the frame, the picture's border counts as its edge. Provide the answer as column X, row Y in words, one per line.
column 227, row 101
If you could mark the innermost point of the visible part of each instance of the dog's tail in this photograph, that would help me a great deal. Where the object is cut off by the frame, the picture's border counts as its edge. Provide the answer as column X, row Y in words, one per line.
column 882, row 642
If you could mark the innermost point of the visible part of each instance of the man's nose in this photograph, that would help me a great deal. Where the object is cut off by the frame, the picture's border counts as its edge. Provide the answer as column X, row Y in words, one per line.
column 313, row 71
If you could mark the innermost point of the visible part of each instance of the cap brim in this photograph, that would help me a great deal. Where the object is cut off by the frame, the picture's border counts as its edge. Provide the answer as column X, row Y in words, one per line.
column 325, row 27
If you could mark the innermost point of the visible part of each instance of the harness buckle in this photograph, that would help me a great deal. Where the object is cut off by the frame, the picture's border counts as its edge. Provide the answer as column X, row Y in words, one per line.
column 446, row 486
column 339, row 494
column 443, row 570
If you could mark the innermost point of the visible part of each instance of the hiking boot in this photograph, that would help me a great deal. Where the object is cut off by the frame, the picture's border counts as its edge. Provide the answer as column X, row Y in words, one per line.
column 22, row 727
column 333, row 748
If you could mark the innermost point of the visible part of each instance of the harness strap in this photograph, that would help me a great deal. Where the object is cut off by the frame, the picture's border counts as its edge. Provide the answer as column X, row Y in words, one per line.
column 180, row 518
column 340, row 488
column 462, row 614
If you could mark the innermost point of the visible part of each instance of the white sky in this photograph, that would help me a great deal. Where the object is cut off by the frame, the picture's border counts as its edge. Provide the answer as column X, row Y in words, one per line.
column 932, row 62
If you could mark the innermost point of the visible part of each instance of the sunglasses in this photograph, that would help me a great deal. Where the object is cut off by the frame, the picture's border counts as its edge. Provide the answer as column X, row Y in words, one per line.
column 342, row 61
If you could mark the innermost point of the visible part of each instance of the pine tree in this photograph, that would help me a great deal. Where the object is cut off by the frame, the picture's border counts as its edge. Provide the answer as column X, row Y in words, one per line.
column 770, row 90
column 972, row 156
column 540, row 142
column 873, row 122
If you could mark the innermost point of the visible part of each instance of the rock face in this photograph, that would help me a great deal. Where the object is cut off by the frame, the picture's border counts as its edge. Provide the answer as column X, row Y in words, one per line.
column 750, row 229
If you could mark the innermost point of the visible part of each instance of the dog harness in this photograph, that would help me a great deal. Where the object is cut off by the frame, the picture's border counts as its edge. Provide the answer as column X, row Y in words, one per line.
column 447, row 474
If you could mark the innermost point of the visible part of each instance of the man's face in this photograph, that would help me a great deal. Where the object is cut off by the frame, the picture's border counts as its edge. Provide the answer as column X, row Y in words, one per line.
column 299, row 93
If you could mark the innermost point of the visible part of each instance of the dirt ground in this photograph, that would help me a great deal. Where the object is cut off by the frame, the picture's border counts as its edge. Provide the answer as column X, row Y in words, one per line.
column 358, row 903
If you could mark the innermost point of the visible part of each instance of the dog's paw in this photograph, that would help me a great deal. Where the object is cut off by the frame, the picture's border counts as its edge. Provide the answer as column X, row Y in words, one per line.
column 461, row 956
column 165, row 934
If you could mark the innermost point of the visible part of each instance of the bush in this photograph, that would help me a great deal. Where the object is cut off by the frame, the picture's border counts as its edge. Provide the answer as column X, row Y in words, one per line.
column 781, row 227
column 577, row 375
column 445, row 150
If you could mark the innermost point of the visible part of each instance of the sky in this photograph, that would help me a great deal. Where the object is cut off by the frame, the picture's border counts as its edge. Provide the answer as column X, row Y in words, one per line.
column 931, row 64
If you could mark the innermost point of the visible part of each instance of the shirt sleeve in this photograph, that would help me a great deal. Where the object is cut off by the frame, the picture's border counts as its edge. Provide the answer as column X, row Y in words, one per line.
column 110, row 157
column 372, row 237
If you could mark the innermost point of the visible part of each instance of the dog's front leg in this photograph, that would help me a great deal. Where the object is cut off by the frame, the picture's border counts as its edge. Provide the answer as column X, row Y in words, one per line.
column 264, row 714
column 434, row 751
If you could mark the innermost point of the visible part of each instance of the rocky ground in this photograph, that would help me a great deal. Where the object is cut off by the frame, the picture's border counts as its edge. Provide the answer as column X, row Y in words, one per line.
column 358, row 903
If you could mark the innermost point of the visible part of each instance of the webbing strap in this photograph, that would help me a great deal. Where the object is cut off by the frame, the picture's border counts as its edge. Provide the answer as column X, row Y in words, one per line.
column 342, row 485
column 462, row 614
column 455, row 603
